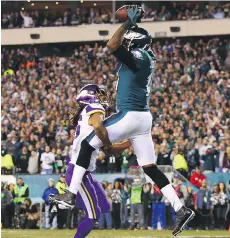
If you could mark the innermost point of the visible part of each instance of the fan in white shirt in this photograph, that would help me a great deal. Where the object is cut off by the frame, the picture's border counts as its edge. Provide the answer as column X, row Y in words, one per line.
column 62, row 132
column 47, row 159
column 28, row 21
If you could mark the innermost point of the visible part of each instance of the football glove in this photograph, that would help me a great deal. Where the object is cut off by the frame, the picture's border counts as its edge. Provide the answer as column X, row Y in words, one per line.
column 135, row 13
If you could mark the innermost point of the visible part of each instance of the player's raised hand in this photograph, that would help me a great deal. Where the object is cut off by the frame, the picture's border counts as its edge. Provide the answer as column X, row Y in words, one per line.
column 134, row 13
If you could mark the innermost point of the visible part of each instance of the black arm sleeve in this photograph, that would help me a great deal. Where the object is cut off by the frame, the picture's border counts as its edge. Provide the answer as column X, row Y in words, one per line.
column 126, row 58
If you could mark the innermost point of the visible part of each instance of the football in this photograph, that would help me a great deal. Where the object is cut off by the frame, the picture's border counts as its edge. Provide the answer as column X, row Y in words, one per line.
column 122, row 13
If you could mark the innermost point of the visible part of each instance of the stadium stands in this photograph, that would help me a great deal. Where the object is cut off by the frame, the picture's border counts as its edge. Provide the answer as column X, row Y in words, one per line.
column 190, row 102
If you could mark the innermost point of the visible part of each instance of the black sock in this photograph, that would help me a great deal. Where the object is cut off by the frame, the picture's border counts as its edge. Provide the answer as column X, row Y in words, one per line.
column 157, row 176
column 85, row 154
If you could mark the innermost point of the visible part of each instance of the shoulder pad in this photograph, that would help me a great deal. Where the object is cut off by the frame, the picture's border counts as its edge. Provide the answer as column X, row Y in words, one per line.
column 94, row 107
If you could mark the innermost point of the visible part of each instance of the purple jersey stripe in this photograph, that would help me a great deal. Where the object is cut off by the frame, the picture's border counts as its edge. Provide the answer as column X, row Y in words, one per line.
column 77, row 133
column 90, row 109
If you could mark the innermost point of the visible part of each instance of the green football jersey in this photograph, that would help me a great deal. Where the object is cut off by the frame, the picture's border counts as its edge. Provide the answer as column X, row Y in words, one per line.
column 134, row 85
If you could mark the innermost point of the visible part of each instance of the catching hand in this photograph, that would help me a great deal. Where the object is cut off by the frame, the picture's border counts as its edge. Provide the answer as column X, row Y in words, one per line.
column 134, row 13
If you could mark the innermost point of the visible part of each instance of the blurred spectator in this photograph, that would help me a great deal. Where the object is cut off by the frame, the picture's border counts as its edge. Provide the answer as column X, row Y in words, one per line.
column 226, row 161
column 136, row 205
column 180, row 188
column 31, row 214
column 50, row 209
column 203, row 205
column 158, row 208
column 11, row 145
column 209, row 161
column 47, row 161
column 33, row 163
column 116, row 205
column 228, row 210
column 215, row 203
column 111, row 163
column 6, row 160
column 163, row 157
column 7, row 206
column 147, row 203
column 102, row 163
column 59, row 162
column 61, row 186
column 197, row 177
column 23, row 160
column 21, row 192
column 223, row 205
column 28, row 21
column 180, row 163
column 125, row 195
column 105, row 220
column 124, row 165
column 62, row 132
column 193, row 158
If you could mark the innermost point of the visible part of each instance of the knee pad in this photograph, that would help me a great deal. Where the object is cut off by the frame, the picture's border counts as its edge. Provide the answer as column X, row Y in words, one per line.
column 157, row 176
column 85, row 154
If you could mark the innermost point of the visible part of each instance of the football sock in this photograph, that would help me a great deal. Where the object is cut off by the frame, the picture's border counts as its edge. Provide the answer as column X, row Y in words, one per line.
column 166, row 188
column 169, row 192
column 76, row 180
column 85, row 227
column 81, row 166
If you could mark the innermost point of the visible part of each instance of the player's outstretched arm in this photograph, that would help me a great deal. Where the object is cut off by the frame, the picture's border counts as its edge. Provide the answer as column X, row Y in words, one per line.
column 96, row 120
column 118, row 148
column 134, row 13
column 116, row 40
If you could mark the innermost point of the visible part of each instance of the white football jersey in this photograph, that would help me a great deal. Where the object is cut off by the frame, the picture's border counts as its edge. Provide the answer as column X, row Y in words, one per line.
column 83, row 130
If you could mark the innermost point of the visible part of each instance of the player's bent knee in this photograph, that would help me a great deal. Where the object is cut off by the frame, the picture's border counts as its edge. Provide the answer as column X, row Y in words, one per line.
column 156, row 175
column 85, row 154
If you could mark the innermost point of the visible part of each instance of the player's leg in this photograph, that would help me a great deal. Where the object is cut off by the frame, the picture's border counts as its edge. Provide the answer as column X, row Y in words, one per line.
column 88, row 201
column 101, row 196
column 144, row 149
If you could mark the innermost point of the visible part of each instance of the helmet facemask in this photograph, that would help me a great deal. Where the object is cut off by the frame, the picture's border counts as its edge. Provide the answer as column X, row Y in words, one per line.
column 104, row 99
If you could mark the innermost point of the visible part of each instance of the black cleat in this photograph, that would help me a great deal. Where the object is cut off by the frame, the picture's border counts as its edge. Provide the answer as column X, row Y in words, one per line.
column 67, row 199
column 183, row 216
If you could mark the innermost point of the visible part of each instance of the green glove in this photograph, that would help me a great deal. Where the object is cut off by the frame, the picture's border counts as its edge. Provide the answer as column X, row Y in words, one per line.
column 134, row 13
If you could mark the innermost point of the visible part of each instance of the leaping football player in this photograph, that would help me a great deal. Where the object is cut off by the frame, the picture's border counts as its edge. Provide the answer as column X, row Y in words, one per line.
column 131, row 45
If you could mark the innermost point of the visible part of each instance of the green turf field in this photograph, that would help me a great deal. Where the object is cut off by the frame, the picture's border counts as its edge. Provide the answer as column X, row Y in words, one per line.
column 107, row 234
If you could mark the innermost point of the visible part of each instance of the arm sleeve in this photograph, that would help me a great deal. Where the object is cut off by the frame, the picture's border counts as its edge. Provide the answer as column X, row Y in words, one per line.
column 132, row 59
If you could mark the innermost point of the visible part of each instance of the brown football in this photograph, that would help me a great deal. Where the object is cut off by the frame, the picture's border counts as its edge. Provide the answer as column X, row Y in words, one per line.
column 122, row 14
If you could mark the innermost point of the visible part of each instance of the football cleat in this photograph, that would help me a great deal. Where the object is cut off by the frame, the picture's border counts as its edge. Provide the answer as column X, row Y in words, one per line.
column 183, row 216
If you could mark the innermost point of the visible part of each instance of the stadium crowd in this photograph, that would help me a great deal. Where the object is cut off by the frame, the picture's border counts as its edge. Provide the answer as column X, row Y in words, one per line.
column 133, row 206
column 189, row 104
column 166, row 12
